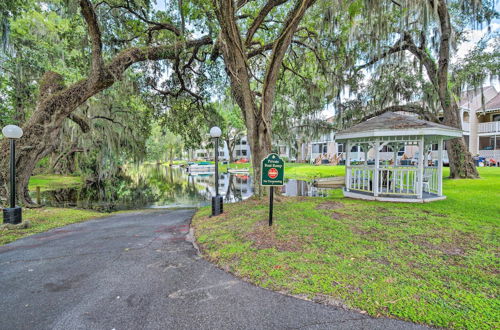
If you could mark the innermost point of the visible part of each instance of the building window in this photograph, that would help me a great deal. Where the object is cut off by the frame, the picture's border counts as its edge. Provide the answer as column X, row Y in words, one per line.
column 435, row 145
column 244, row 142
column 243, row 152
column 495, row 117
column 238, row 152
column 318, row 148
column 341, row 147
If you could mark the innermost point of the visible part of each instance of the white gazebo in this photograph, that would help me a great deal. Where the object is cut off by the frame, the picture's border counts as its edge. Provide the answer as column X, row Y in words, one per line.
column 418, row 178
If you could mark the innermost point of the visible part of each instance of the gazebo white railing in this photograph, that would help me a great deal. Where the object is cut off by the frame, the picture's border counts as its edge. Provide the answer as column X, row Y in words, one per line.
column 409, row 179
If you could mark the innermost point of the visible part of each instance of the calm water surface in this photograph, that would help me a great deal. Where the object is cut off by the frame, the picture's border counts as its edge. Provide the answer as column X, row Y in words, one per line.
column 159, row 186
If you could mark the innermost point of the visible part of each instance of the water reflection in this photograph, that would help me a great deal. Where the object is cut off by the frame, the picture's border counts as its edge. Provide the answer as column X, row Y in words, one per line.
column 159, row 186
column 303, row 188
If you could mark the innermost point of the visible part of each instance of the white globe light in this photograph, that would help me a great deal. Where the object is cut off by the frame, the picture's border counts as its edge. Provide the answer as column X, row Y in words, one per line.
column 215, row 132
column 12, row 132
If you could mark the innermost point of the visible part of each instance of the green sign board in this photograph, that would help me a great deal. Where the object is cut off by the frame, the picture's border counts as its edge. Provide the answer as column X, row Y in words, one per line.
column 273, row 171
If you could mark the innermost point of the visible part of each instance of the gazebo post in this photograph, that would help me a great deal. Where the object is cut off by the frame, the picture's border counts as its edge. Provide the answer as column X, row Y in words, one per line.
column 365, row 149
column 375, row 170
column 395, row 149
column 420, row 173
column 440, row 167
column 347, row 165
column 426, row 157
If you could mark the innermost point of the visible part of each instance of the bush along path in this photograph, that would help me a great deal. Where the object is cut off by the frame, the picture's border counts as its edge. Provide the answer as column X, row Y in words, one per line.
column 433, row 264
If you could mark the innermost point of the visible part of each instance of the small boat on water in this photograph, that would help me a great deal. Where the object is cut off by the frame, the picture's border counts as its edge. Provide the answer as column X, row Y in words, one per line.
column 238, row 170
column 205, row 167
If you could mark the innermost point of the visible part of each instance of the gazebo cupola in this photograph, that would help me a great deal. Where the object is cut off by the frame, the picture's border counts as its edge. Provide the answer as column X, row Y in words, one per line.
column 396, row 162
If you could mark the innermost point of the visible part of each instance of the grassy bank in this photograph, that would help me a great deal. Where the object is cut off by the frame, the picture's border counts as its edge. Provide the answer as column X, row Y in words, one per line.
column 44, row 219
column 433, row 263
column 54, row 181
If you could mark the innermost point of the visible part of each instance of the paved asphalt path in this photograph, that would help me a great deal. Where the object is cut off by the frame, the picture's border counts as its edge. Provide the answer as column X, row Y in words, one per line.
column 137, row 271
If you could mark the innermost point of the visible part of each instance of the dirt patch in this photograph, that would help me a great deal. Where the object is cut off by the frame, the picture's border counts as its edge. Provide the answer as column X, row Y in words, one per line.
column 337, row 216
column 330, row 205
column 363, row 231
column 264, row 237
column 456, row 244
column 440, row 215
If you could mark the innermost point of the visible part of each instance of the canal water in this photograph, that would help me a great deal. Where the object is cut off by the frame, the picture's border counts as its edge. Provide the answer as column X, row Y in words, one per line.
column 159, row 186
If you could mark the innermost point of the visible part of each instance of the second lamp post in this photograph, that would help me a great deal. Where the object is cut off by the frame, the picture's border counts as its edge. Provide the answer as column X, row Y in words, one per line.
column 217, row 204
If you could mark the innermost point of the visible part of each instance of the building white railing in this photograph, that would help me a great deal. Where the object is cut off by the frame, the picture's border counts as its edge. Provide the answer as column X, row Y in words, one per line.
column 490, row 154
column 491, row 127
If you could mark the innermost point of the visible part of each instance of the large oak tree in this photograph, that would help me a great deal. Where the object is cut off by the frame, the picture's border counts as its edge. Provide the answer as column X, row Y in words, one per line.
column 57, row 102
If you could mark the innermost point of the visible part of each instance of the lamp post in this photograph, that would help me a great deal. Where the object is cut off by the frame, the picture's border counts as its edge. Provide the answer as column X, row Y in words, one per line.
column 12, row 214
column 217, row 207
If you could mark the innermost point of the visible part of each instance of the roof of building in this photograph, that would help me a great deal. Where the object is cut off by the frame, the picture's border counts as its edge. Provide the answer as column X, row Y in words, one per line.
column 493, row 104
column 395, row 124
column 474, row 99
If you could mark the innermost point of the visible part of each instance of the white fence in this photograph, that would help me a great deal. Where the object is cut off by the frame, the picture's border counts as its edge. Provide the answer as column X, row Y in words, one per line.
column 392, row 180
column 431, row 180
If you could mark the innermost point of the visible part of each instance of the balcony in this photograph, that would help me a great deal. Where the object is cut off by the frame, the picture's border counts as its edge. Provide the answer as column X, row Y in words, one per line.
column 484, row 128
column 490, row 127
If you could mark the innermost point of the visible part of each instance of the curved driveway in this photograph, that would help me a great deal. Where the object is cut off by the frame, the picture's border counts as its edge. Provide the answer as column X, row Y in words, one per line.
column 137, row 271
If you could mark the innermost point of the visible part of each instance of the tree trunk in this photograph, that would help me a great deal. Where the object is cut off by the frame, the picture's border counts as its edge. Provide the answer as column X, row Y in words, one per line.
column 230, row 148
column 260, row 146
column 461, row 163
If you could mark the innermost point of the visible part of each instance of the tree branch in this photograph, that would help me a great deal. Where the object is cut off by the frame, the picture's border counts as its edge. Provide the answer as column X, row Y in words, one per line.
column 84, row 126
column 279, row 49
column 108, row 119
column 270, row 5
column 95, row 37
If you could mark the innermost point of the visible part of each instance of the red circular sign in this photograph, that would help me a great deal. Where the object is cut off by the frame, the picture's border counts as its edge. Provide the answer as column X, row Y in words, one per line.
column 272, row 173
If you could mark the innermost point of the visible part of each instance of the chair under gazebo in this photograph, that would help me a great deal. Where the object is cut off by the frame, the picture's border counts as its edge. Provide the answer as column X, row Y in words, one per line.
column 398, row 177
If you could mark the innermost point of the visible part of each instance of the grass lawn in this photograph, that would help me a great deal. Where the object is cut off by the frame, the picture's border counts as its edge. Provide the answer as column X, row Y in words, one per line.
column 435, row 263
column 47, row 218
column 54, row 181
column 298, row 171
column 309, row 172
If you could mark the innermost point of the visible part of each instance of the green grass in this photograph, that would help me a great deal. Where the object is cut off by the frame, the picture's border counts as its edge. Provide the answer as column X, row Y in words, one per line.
column 298, row 171
column 43, row 219
column 54, row 181
column 434, row 263
column 309, row 172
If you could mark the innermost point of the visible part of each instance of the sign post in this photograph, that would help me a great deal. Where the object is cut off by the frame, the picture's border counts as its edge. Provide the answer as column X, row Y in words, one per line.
column 272, row 175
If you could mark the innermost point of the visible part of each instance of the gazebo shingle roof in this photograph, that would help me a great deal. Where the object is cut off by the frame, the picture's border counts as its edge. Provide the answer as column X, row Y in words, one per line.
column 392, row 120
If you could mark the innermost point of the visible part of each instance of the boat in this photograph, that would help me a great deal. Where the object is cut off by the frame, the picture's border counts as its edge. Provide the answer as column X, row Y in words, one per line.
column 238, row 170
column 204, row 167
